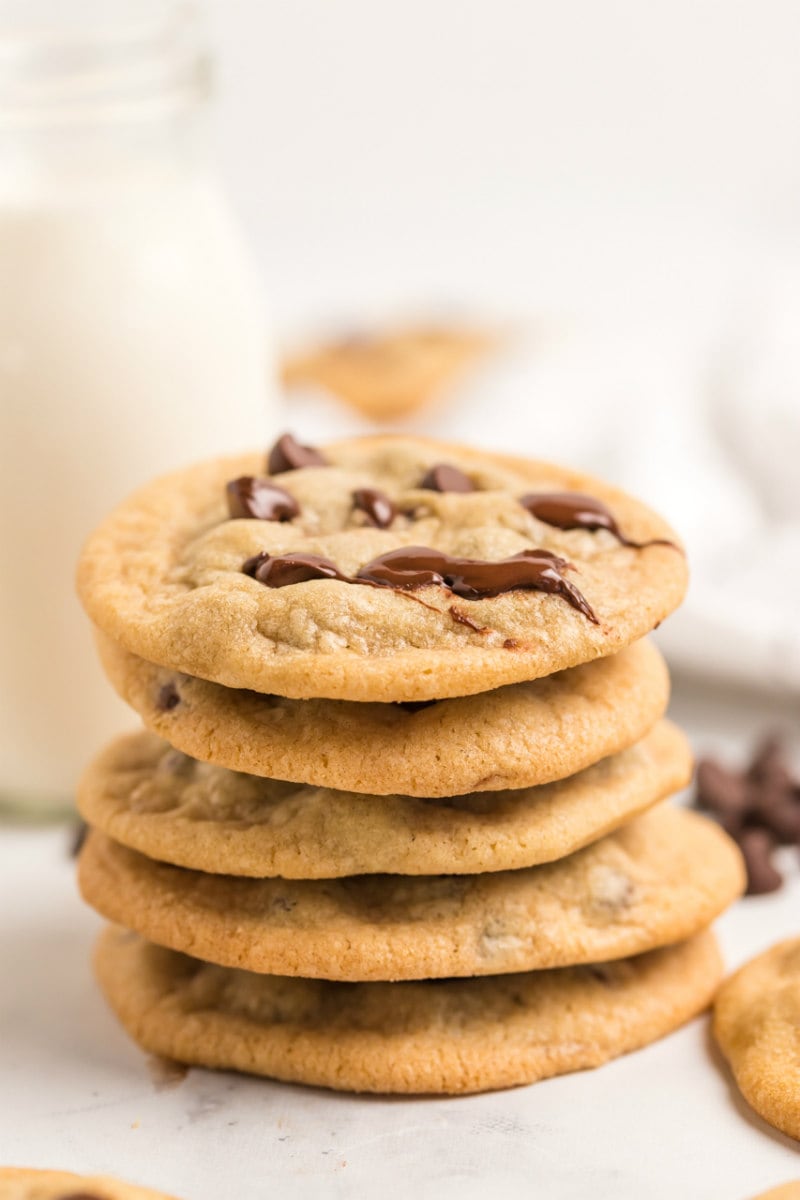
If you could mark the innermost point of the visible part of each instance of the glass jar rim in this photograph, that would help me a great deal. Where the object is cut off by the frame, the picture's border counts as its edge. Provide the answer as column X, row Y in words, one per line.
column 135, row 64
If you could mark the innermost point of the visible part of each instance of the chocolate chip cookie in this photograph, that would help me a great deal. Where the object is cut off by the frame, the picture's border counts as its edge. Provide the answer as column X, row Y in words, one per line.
column 171, row 807
column 659, row 879
column 438, row 1037
column 757, row 1026
column 513, row 737
column 380, row 568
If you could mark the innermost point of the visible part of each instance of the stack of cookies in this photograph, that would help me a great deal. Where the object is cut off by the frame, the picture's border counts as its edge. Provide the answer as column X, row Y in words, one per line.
column 395, row 820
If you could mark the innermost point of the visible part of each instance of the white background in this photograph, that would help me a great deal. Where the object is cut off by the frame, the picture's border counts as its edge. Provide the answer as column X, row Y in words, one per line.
column 515, row 153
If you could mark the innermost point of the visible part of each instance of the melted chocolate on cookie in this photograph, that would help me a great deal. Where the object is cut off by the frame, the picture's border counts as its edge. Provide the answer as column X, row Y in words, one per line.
column 282, row 570
column 412, row 567
column 474, row 579
column 573, row 510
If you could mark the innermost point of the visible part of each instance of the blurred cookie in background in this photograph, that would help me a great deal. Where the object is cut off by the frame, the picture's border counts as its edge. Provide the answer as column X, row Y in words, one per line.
column 26, row 1183
column 390, row 373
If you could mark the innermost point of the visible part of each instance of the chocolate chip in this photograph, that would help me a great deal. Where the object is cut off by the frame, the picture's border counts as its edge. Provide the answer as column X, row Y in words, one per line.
column 259, row 498
column 444, row 478
column 720, row 790
column 569, row 510
column 413, row 706
column 287, row 455
column 80, row 1196
column 769, row 765
column 283, row 570
column 78, row 838
column 167, row 698
column 782, row 818
column 772, row 791
column 757, row 846
column 758, row 806
column 251, row 565
column 574, row 510
column 600, row 972
column 379, row 510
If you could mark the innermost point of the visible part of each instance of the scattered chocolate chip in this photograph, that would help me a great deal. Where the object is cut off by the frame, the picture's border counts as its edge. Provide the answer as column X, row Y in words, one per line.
column 444, row 478
column 722, row 791
column 769, row 778
column 259, row 498
column 168, row 697
column 758, row 806
column 80, row 1196
column 510, row 644
column 378, row 508
column 782, row 817
column 287, row 455
column 769, row 763
column 757, row 846
column 78, row 838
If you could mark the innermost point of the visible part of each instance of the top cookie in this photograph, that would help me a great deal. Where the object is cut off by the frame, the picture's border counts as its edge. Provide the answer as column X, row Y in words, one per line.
column 247, row 602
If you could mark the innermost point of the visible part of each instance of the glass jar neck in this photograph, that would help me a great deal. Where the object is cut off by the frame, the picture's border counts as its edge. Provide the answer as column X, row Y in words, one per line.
column 111, row 94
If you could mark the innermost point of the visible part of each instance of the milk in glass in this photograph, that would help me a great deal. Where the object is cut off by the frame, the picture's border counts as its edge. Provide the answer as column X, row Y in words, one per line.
column 132, row 339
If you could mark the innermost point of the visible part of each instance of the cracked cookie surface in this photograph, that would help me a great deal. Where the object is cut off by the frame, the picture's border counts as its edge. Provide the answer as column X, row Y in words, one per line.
column 436, row 1037
column 516, row 736
column 658, row 880
column 163, row 576
column 170, row 807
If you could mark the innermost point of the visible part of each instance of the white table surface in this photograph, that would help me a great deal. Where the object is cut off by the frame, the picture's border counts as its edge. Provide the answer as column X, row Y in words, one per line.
column 662, row 1124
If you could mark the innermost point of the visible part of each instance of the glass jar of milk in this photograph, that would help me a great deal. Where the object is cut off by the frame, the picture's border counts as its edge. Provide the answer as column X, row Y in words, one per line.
column 132, row 338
